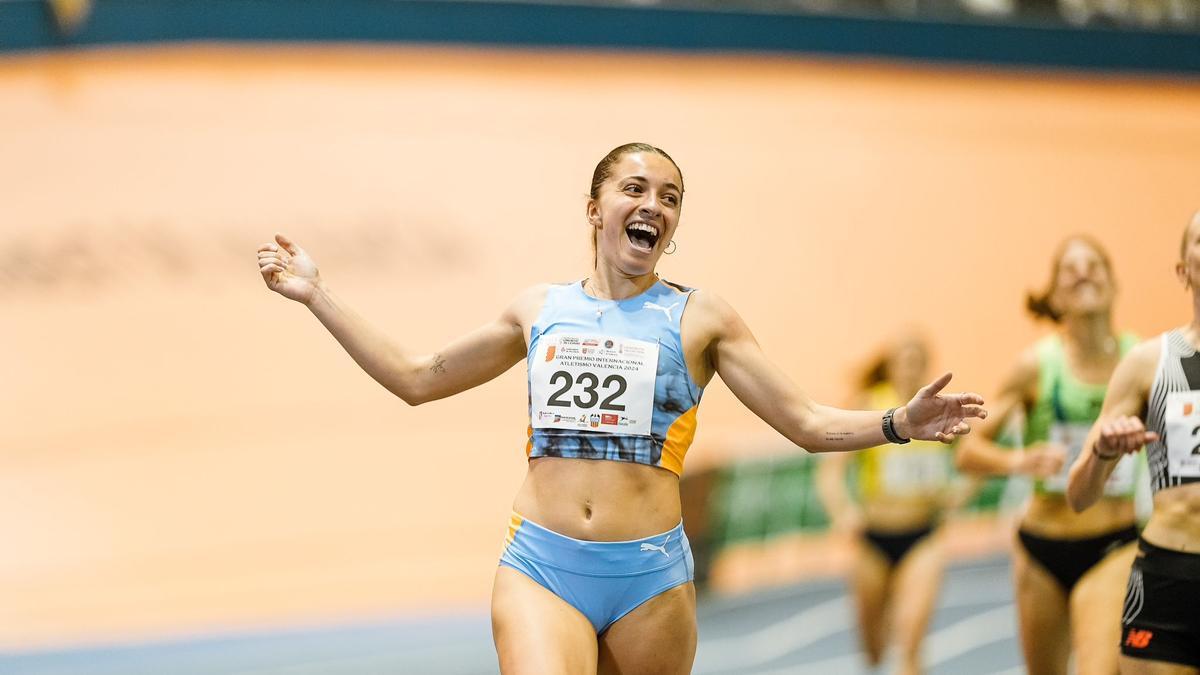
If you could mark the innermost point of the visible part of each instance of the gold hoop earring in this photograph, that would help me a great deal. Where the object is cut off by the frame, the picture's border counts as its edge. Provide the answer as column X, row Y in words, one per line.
column 670, row 248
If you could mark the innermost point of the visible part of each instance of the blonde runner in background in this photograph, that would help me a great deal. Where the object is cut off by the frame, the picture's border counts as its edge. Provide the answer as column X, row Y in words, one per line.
column 1067, row 567
column 1154, row 400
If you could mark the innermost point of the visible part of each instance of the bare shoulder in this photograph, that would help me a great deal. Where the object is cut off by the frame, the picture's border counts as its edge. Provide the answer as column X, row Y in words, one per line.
column 524, row 308
column 708, row 322
column 1141, row 363
column 1026, row 368
column 708, row 307
column 1021, row 380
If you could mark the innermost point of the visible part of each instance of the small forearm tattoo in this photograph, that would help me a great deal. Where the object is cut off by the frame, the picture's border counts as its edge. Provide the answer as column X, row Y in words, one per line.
column 838, row 436
column 439, row 364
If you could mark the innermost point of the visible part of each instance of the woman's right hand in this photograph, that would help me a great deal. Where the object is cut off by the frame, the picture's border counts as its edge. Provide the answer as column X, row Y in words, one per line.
column 1122, row 436
column 288, row 270
column 1040, row 460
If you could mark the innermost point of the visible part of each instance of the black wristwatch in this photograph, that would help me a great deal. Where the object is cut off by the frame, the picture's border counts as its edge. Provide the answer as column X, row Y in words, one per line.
column 889, row 429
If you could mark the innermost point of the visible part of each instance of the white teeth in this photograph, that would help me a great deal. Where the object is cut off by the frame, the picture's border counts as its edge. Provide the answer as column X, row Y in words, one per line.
column 643, row 227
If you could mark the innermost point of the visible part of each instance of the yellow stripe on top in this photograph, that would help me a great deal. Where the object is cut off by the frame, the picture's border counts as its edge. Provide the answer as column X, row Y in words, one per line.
column 529, row 443
column 679, row 439
column 514, row 523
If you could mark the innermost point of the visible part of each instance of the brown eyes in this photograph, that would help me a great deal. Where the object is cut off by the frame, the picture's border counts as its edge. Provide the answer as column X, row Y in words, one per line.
column 636, row 189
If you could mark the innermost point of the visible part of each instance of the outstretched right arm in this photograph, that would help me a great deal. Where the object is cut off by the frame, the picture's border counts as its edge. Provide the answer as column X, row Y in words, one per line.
column 467, row 362
column 1119, row 430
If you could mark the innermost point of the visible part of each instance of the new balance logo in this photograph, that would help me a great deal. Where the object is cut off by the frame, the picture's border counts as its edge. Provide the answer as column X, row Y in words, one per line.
column 661, row 549
column 664, row 310
column 1136, row 638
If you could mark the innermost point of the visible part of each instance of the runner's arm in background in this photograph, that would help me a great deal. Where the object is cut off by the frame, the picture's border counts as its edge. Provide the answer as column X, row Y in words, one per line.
column 979, row 453
column 1119, row 429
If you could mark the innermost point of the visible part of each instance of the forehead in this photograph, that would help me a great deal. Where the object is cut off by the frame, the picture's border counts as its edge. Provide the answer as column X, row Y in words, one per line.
column 649, row 165
column 909, row 346
column 1078, row 249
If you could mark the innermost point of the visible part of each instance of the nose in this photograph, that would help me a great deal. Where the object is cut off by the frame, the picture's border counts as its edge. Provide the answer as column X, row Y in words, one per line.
column 650, row 205
column 1078, row 269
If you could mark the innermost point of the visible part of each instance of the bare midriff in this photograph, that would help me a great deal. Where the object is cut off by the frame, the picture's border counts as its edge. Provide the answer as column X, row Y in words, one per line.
column 902, row 514
column 1049, row 515
column 1175, row 523
column 599, row 500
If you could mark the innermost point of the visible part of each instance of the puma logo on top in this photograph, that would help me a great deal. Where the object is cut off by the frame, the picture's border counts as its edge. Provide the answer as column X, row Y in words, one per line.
column 661, row 549
column 664, row 310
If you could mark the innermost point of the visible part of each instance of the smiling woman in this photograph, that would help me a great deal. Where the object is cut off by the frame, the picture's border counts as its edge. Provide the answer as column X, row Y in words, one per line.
column 642, row 235
column 596, row 557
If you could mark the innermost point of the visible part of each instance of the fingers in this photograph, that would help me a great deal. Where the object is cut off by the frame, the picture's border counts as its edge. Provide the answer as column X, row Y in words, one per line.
column 270, row 267
column 960, row 429
column 272, row 256
column 974, row 411
column 287, row 244
column 969, row 398
column 271, row 262
column 1124, row 435
column 930, row 390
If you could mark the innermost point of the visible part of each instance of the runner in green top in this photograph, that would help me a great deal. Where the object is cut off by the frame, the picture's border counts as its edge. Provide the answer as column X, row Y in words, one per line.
column 1068, row 567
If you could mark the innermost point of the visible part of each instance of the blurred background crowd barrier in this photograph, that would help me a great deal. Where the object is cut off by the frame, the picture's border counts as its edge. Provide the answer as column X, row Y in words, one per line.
column 183, row 453
column 1127, row 34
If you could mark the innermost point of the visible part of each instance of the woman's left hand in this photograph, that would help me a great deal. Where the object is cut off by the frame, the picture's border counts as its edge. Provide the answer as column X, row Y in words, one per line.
column 933, row 416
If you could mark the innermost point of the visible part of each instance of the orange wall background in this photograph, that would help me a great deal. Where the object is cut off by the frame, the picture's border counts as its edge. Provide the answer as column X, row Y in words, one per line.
column 182, row 451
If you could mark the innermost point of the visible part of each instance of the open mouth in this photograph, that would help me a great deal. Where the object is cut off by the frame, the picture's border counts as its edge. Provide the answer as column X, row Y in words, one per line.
column 643, row 236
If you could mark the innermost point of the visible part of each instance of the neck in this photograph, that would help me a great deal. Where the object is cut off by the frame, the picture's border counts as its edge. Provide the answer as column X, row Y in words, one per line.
column 608, row 283
column 1090, row 335
column 1193, row 329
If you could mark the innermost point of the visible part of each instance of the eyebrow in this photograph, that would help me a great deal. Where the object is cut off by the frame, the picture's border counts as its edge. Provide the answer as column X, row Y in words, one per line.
column 643, row 180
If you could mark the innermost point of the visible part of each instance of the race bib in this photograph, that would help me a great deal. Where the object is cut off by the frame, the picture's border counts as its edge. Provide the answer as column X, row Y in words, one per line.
column 1071, row 437
column 913, row 471
column 1183, row 434
column 593, row 383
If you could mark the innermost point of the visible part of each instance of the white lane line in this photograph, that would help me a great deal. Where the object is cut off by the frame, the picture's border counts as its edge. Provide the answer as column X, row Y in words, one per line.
column 961, row 637
column 715, row 606
column 848, row 663
column 970, row 634
column 805, row 628
column 778, row 639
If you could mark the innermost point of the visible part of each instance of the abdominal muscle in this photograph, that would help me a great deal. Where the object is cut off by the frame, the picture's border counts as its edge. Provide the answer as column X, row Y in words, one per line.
column 902, row 513
column 1175, row 522
column 1049, row 515
column 599, row 500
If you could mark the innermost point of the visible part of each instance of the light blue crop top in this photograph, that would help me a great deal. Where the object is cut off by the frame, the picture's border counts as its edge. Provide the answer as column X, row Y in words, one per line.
column 594, row 391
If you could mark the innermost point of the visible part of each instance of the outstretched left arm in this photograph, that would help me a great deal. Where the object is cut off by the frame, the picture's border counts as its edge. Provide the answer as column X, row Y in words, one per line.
column 768, row 393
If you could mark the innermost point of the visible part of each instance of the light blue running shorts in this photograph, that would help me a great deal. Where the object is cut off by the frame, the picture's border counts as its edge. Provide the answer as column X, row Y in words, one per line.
column 605, row 580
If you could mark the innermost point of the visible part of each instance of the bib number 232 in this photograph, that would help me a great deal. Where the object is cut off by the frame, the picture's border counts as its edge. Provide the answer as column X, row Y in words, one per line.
column 589, row 382
column 593, row 383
